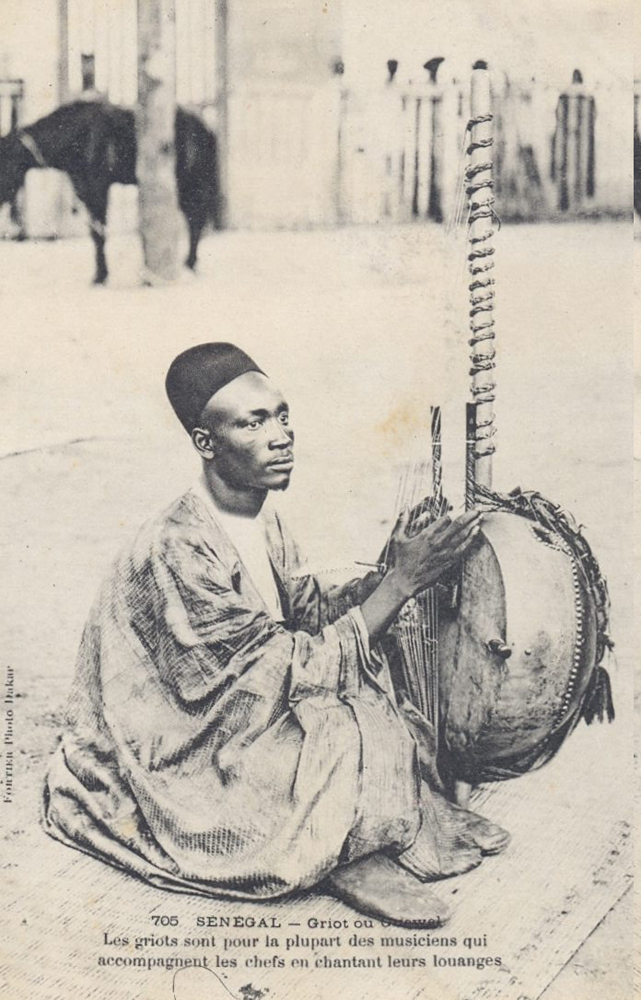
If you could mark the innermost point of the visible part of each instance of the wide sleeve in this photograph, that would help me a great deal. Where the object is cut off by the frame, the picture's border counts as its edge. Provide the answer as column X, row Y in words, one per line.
column 206, row 636
column 314, row 602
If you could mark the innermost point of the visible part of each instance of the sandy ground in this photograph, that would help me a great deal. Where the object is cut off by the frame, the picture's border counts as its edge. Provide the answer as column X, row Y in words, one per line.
column 362, row 330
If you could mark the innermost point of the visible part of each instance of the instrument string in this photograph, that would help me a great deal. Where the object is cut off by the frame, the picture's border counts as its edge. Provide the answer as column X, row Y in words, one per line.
column 421, row 491
column 420, row 486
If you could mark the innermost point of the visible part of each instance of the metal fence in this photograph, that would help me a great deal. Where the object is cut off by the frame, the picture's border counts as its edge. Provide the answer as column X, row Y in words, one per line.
column 101, row 51
column 555, row 154
column 637, row 146
column 335, row 154
column 331, row 153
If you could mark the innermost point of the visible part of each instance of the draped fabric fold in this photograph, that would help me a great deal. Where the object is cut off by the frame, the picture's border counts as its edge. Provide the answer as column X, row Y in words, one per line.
column 208, row 747
column 211, row 749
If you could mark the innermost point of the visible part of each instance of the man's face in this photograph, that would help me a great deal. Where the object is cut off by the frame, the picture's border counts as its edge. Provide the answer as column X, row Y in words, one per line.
column 252, row 440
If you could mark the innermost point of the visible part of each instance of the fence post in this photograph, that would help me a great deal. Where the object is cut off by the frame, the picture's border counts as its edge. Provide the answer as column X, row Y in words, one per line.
column 221, row 43
column 339, row 193
column 155, row 131
column 390, row 146
column 573, row 165
column 435, row 197
column 63, row 51
column 637, row 147
column 64, row 196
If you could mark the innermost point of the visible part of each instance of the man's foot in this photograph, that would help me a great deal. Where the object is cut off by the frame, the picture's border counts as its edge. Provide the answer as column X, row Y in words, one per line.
column 463, row 826
column 451, row 840
column 380, row 888
column 491, row 839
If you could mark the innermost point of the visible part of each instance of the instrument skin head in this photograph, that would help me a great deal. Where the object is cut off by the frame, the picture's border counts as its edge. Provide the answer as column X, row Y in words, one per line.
column 517, row 652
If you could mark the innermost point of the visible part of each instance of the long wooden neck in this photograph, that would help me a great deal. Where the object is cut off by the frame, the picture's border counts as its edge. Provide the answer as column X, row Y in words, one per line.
column 480, row 413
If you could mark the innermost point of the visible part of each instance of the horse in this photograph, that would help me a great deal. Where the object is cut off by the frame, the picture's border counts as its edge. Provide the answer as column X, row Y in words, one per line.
column 94, row 142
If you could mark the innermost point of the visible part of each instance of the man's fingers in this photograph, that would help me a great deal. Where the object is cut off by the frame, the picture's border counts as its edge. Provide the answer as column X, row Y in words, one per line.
column 420, row 520
column 441, row 525
column 400, row 528
column 465, row 523
column 460, row 546
column 469, row 517
column 463, row 543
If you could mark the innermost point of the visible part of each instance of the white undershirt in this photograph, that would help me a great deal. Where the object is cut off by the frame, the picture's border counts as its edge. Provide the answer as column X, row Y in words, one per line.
column 249, row 537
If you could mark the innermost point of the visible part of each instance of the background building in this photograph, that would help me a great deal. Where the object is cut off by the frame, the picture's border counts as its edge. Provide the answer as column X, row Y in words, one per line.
column 343, row 113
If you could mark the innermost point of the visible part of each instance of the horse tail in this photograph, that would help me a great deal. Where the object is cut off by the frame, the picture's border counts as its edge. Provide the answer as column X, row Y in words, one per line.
column 197, row 170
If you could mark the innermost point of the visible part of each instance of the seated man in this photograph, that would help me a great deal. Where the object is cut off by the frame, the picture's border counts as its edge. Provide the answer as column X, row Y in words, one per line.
column 232, row 728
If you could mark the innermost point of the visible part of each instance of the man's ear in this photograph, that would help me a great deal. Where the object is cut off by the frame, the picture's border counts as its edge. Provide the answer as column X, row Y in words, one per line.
column 202, row 442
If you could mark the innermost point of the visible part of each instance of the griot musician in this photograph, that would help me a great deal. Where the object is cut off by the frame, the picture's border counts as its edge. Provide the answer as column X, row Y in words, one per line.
column 233, row 727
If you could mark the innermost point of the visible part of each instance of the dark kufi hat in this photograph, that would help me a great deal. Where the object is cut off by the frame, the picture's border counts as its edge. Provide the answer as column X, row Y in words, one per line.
column 196, row 374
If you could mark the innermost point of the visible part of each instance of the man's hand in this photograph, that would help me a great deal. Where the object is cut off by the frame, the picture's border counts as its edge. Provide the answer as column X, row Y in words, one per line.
column 420, row 556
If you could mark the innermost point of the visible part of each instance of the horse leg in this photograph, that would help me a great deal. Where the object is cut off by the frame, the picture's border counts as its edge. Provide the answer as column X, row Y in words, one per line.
column 98, row 218
column 196, row 223
column 98, row 237
column 95, row 198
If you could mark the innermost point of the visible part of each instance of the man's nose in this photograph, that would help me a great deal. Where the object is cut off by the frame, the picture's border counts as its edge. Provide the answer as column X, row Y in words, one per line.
column 280, row 435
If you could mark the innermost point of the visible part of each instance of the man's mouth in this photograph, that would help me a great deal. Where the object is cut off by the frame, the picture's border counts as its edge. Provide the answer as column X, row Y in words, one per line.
column 282, row 464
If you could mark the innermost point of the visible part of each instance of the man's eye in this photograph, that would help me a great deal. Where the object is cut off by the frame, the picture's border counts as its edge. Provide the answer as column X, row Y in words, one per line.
column 284, row 418
column 253, row 425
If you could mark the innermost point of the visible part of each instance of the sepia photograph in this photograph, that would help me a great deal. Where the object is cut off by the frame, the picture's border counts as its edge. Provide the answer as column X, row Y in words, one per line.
column 318, row 498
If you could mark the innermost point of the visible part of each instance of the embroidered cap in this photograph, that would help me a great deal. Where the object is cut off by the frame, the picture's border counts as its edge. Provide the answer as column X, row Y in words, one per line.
column 199, row 372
